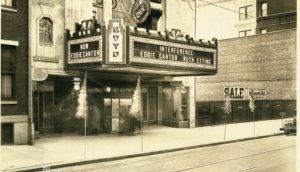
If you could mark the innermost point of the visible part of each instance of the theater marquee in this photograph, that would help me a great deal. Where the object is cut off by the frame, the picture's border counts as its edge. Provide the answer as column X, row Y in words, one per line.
column 84, row 51
column 159, row 53
column 123, row 49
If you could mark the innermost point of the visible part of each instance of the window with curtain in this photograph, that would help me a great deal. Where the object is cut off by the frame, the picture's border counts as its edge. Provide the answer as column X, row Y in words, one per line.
column 8, row 3
column 6, row 85
column 8, row 54
column 264, row 9
column 46, row 31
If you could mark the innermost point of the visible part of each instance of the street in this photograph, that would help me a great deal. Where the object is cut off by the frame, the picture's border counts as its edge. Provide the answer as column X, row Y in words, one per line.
column 271, row 154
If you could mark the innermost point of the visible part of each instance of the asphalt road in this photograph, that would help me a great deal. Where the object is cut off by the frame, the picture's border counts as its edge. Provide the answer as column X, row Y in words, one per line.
column 272, row 154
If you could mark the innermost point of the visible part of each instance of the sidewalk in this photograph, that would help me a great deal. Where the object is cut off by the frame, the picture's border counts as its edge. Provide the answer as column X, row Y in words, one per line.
column 58, row 150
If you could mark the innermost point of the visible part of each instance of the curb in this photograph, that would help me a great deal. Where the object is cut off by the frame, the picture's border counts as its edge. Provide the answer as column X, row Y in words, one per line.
column 84, row 162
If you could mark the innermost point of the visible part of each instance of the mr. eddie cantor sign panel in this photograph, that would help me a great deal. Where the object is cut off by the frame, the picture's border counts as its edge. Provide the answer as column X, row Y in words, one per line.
column 164, row 53
column 85, row 50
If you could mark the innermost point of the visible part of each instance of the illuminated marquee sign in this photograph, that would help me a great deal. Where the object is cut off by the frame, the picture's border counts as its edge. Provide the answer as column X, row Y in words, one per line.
column 169, row 54
column 85, row 50
column 115, row 43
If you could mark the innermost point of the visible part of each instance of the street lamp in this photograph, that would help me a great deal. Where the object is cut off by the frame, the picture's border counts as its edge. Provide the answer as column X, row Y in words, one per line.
column 108, row 89
column 76, row 82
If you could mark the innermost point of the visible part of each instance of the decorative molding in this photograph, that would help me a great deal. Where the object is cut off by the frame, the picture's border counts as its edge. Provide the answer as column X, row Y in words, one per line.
column 9, row 9
column 39, row 74
column 176, row 34
column 46, row 59
column 48, row 3
column 46, row 6
column 9, row 102
column 14, row 118
column 9, row 42
column 140, row 10
column 99, row 4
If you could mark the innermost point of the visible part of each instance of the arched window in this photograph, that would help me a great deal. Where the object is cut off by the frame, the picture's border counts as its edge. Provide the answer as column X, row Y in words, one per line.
column 46, row 31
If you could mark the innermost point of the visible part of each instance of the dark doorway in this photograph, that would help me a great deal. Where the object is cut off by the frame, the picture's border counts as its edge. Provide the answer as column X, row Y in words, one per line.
column 7, row 134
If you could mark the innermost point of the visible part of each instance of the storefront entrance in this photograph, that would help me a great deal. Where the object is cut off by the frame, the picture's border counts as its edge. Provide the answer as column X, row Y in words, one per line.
column 149, row 101
column 44, row 107
column 108, row 106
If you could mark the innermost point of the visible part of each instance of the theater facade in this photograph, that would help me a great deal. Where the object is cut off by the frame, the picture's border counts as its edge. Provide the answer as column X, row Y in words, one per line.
column 116, row 55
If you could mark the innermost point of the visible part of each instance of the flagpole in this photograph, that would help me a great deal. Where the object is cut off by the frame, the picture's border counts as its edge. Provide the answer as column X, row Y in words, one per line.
column 85, row 103
column 254, row 123
column 252, row 107
column 227, row 110
column 141, row 114
column 253, row 114
column 225, row 126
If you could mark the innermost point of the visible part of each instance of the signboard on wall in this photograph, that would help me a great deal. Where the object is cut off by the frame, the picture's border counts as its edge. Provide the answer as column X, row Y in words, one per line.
column 39, row 74
column 115, row 42
column 240, row 93
column 84, row 51
column 159, row 53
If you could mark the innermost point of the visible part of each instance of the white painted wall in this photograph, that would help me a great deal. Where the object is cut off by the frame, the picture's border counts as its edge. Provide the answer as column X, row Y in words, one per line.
column 214, row 21
column 51, row 52
column 77, row 11
column 20, row 133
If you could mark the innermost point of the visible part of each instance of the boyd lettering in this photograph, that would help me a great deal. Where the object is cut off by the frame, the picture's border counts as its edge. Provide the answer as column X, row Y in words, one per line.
column 116, row 30
column 116, row 54
column 116, row 45
column 116, row 37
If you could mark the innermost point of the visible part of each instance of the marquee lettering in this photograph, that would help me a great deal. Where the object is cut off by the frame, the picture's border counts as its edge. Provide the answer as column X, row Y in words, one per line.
column 161, row 52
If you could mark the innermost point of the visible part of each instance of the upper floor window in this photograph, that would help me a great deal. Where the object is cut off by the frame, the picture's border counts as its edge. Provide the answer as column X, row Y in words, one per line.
column 263, row 31
column 264, row 9
column 8, row 3
column 244, row 33
column 46, row 31
column 8, row 55
column 245, row 12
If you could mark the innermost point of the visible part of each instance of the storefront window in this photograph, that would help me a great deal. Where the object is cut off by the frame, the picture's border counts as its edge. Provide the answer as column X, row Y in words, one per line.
column 264, row 110
column 107, row 114
column 167, row 104
column 184, row 103
column 152, row 103
column 145, row 102
column 125, row 105
column 239, row 111
column 204, row 114
column 290, row 107
column 278, row 108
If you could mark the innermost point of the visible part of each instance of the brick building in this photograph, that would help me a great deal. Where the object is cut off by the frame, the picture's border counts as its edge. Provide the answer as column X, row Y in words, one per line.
column 15, row 119
column 243, row 17
column 265, row 63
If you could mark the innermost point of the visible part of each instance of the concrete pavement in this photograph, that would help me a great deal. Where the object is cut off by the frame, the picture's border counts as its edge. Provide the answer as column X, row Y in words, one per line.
column 59, row 150
column 255, row 155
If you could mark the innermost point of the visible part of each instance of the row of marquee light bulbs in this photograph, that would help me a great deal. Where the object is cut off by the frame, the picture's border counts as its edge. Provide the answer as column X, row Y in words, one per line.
column 87, row 27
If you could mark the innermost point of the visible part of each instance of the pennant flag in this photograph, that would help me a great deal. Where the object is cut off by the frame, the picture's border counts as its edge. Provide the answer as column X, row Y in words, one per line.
column 227, row 107
column 251, row 101
column 82, row 100
column 136, row 106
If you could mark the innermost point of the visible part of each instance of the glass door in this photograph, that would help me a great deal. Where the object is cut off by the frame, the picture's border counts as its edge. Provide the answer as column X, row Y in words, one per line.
column 152, row 104
column 44, row 107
